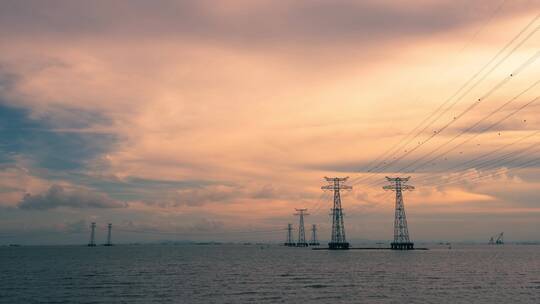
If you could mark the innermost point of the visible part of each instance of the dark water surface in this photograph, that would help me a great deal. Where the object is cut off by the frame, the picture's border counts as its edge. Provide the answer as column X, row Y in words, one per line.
column 268, row 274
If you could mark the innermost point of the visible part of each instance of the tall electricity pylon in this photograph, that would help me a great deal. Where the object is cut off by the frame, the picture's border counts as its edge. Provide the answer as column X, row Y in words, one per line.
column 401, row 232
column 290, row 241
column 338, row 229
column 314, row 241
column 301, row 231
column 109, row 228
column 92, row 235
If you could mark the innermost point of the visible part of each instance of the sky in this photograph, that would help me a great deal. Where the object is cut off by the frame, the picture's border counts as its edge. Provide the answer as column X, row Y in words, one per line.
column 205, row 120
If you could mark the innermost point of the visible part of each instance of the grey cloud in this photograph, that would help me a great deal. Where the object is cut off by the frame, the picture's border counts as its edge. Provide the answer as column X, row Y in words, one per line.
column 253, row 24
column 266, row 192
column 200, row 196
column 219, row 193
column 56, row 197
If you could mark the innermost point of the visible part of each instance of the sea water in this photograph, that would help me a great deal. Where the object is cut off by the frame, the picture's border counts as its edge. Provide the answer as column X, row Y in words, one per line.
column 268, row 274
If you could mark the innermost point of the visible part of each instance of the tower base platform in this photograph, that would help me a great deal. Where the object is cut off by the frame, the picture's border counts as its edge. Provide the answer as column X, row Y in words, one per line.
column 402, row 246
column 338, row 246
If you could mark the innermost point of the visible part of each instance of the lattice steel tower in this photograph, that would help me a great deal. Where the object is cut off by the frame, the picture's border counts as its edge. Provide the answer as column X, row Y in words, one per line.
column 314, row 241
column 290, row 241
column 338, row 228
column 92, row 235
column 109, row 228
column 301, row 231
column 401, row 232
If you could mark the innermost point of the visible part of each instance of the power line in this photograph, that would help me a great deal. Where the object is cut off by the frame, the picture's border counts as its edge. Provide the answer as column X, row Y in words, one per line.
column 524, row 165
column 483, row 131
column 496, row 150
column 477, row 123
column 398, row 147
column 198, row 233
column 497, row 162
column 517, row 71
column 471, row 163
column 493, row 14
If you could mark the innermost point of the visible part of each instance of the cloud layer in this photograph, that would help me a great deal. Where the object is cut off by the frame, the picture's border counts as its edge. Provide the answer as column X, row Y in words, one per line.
column 232, row 112
column 57, row 197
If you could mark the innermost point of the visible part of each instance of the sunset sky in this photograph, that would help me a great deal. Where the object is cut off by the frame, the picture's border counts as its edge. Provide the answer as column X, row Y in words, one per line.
column 213, row 118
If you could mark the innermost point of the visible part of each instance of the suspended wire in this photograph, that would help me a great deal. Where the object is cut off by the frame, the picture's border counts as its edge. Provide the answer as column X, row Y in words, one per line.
column 398, row 145
column 493, row 14
column 199, row 232
column 471, row 161
column 494, row 163
column 525, row 165
column 434, row 114
column 320, row 203
column 485, row 163
column 473, row 105
column 504, row 118
column 469, row 129
column 470, row 164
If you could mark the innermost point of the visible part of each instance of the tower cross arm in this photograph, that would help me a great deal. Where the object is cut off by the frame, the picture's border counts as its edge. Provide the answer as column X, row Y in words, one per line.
column 403, row 187
column 339, row 179
column 395, row 179
column 333, row 187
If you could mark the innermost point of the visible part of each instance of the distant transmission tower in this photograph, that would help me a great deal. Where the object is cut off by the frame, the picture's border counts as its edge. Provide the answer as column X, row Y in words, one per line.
column 92, row 235
column 314, row 241
column 401, row 232
column 338, row 229
column 290, row 241
column 109, row 228
column 301, row 231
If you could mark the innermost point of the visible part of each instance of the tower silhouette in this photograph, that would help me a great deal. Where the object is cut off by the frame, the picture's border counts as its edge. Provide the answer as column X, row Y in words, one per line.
column 314, row 241
column 301, row 231
column 401, row 231
column 338, row 228
column 109, row 228
column 92, row 235
column 290, row 241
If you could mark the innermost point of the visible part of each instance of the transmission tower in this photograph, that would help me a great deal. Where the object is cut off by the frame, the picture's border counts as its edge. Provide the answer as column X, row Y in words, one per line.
column 301, row 231
column 290, row 241
column 401, row 232
column 338, row 229
column 109, row 228
column 314, row 241
column 92, row 235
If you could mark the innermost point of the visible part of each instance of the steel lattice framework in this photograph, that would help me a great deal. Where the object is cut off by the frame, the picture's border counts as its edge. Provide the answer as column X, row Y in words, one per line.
column 290, row 241
column 301, row 231
column 314, row 241
column 336, row 184
column 401, row 231
column 109, row 228
column 92, row 235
